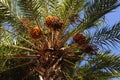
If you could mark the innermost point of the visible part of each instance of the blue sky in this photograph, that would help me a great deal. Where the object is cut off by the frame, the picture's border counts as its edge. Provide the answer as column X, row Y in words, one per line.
column 112, row 18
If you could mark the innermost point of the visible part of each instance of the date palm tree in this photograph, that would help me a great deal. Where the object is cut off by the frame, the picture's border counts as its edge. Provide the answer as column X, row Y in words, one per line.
column 58, row 40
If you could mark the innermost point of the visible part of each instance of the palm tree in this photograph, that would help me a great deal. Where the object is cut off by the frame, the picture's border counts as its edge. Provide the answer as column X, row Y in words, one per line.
column 52, row 40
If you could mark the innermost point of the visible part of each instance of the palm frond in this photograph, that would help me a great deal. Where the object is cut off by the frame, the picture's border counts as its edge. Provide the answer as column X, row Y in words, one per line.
column 12, row 37
column 12, row 71
column 4, row 11
column 106, row 36
column 97, row 7
column 32, row 9
column 96, row 67
column 67, row 8
column 7, row 15
column 95, row 10
column 69, row 13
column 9, row 44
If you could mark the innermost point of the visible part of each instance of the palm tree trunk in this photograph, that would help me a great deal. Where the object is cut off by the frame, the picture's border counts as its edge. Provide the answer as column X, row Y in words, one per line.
column 54, row 71
column 53, row 74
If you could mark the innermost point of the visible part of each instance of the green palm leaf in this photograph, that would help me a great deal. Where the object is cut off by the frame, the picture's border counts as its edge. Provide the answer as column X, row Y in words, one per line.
column 89, row 11
column 103, row 66
column 106, row 36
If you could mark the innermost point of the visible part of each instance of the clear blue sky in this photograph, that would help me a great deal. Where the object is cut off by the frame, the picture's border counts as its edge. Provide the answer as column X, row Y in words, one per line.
column 113, row 16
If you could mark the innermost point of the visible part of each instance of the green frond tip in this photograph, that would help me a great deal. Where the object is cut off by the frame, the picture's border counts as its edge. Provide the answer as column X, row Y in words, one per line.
column 106, row 36
column 98, row 8
column 7, row 15
column 92, row 13
column 31, row 9
column 96, row 68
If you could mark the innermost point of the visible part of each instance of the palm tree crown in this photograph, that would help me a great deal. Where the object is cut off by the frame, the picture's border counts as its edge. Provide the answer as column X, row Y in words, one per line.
column 34, row 36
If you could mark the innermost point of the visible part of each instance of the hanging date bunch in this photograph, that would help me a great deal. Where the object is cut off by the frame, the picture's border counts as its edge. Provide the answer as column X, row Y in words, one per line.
column 81, row 40
column 53, row 23
column 36, row 32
